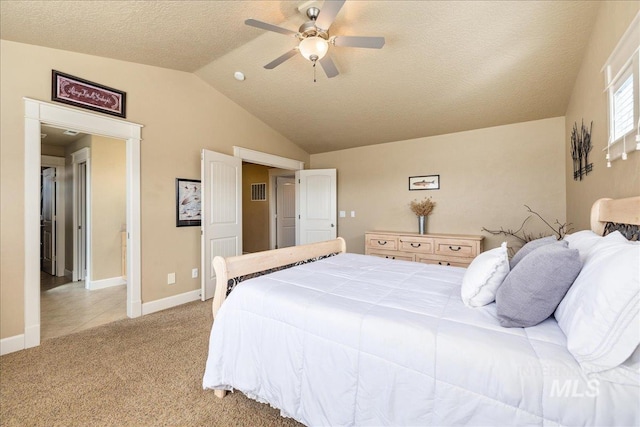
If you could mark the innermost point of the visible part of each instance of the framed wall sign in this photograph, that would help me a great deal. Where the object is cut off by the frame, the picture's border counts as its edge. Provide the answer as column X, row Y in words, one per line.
column 188, row 211
column 425, row 182
column 85, row 94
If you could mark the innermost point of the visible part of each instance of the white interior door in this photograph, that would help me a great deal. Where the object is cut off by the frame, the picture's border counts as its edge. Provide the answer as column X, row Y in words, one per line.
column 221, row 198
column 316, row 195
column 49, row 221
column 286, row 212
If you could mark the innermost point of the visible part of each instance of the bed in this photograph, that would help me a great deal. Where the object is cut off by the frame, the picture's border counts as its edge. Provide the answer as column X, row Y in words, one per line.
column 352, row 339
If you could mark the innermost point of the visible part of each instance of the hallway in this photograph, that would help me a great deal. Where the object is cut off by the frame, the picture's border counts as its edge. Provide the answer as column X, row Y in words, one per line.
column 67, row 307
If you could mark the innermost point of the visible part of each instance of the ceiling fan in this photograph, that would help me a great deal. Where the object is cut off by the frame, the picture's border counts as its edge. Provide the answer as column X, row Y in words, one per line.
column 314, row 37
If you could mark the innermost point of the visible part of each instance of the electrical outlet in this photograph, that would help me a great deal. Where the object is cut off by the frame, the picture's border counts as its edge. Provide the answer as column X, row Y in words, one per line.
column 194, row 273
column 171, row 278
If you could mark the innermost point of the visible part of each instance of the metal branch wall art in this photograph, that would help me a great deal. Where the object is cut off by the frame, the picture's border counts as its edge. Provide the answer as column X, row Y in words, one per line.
column 580, row 148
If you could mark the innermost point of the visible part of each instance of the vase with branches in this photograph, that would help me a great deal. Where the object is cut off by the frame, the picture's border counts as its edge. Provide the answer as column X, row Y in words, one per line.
column 422, row 209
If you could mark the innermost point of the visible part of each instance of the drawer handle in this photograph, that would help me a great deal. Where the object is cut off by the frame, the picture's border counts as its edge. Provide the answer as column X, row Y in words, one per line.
column 388, row 257
column 384, row 242
column 455, row 250
column 440, row 262
column 415, row 245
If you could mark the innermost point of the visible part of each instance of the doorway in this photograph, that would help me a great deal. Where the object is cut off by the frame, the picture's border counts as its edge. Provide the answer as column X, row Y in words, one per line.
column 268, row 208
column 78, row 297
column 36, row 114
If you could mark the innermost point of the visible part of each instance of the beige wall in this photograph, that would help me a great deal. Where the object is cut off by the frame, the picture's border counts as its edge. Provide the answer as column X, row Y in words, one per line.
column 255, row 214
column 52, row 150
column 108, row 206
column 486, row 177
column 181, row 114
column 589, row 102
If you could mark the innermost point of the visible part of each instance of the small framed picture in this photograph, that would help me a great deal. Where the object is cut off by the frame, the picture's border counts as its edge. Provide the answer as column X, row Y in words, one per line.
column 425, row 182
column 188, row 211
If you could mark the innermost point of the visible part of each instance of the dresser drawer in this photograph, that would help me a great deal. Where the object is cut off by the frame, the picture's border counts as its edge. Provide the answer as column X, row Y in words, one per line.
column 423, row 245
column 448, row 262
column 381, row 241
column 456, row 248
column 393, row 255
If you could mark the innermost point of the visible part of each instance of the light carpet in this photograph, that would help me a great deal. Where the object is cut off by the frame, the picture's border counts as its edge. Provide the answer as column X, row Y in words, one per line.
column 133, row 372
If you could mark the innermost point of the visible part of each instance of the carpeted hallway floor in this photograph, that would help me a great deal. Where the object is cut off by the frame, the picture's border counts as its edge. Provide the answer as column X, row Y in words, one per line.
column 133, row 372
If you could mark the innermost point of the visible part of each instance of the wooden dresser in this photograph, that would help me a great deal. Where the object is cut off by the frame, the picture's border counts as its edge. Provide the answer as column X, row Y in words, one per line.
column 444, row 249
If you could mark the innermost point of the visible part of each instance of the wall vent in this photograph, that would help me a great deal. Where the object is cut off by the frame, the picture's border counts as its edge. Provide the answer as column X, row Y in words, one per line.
column 259, row 192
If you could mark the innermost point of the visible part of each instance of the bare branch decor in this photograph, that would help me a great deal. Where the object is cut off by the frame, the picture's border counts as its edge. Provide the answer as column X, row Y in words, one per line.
column 522, row 236
column 580, row 148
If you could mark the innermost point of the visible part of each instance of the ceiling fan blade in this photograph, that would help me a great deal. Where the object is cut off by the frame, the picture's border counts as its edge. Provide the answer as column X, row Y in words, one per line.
column 269, row 27
column 356, row 41
column 280, row 59
column 328, row 13
column 329, row 66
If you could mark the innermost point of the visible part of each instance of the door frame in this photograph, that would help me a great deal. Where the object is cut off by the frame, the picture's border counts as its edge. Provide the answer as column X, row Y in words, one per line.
column 260, row 158
column 273, row 179
column 37, row 113
column 59, row 164
column 77, row 158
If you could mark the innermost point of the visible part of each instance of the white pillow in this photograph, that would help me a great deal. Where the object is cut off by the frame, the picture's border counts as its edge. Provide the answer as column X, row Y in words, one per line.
column 600, row 315
column 584, row 241
column 484, row 275
column 628, row 373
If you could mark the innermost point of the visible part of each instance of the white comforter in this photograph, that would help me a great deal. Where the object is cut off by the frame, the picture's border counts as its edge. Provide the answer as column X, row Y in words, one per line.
column 360, row 340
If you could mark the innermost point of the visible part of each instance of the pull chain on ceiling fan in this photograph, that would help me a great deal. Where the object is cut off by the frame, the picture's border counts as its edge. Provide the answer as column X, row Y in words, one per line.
column 315, row 40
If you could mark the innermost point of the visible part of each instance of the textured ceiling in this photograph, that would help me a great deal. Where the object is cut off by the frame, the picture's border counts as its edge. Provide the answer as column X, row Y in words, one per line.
column 446, row 66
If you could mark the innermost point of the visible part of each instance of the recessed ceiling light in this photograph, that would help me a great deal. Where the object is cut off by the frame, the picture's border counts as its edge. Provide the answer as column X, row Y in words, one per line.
column 239, row 75
column 71, row 132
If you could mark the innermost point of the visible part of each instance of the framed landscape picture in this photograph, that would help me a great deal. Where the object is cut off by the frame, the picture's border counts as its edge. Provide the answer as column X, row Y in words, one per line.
column 188, row 207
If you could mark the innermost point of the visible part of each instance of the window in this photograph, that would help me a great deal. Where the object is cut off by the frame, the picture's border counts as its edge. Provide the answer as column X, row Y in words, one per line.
column 623, row 108
column 622, row 74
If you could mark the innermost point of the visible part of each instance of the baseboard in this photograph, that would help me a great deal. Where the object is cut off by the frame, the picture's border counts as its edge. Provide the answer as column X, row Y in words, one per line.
column 105, row 283
column 168, row 302
column 68, row 273
column 11, row 344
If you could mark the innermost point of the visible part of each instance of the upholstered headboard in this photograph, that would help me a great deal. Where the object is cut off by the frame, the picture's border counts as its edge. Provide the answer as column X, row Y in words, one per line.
column 616, row 214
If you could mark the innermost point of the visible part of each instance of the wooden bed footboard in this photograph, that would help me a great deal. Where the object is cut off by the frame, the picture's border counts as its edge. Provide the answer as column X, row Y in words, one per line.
column 237, row 266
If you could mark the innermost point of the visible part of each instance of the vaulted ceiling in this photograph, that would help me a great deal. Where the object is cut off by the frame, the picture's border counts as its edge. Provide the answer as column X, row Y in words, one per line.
column 447, row 66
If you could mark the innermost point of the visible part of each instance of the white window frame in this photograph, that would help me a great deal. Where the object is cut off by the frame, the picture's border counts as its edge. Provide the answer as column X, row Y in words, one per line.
column 624, row 60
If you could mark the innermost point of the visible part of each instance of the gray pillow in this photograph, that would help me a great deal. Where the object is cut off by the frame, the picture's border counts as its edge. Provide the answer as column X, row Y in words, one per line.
column 531, row 292
column 529, row 247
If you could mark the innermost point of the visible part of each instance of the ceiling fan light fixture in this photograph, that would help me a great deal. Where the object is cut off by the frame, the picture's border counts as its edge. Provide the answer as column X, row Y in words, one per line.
column 313, row 48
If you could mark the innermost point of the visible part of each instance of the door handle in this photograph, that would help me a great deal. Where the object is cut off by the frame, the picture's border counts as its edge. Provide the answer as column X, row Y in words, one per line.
column 332, row 225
